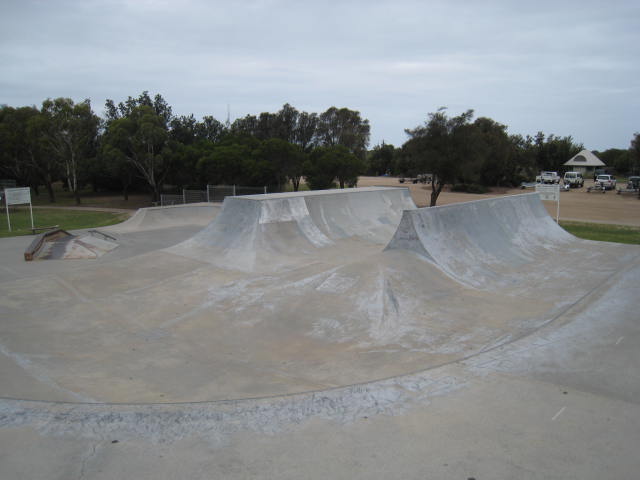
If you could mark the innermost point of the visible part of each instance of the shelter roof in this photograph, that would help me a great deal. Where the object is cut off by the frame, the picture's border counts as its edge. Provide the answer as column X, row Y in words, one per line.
column 585, row 158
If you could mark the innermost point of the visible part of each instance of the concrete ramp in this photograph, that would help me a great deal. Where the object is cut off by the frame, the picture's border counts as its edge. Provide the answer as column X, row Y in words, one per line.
column 273, row 230
column 482, row 242
column 59, row 244
column 153, row 218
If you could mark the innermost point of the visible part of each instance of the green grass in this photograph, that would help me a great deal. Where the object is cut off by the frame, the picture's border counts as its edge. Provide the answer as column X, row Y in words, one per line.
column 65, row 219
column 603, row 233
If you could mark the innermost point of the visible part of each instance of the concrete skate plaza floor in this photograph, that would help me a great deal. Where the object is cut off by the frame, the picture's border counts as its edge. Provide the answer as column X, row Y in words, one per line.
column 287, row 294
column 326, row 335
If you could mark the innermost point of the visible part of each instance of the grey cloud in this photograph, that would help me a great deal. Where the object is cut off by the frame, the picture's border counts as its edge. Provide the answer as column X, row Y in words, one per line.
column 570, row 68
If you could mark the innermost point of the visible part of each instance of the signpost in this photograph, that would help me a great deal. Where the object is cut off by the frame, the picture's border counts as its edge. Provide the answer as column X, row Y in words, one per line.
column 550, row 192
column 18, row 196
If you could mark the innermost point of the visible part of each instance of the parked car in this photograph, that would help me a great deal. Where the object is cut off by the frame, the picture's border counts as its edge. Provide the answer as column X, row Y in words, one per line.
column 633, row 186
column 606, row 182
column 573, row 180
column 548, row 177
column 425, row 178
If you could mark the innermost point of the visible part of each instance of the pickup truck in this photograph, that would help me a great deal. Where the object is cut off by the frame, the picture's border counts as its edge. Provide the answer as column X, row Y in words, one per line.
column 573, row 179
column 548, row 177
column 606, row 182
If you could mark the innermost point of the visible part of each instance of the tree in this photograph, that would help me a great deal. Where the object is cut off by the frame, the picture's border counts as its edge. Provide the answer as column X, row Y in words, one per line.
column 496, row 165
column 210, row 129
column 343, row 127
column 326, row 164
column 305, row 130
column 287, row 123
column 443, row 147
column 70, row 132
column 268, row 125
column 551, row 152
column 22, row 153
column 183, row 129
column 141, row 137
column 124, row 109
column 247, row 125
column 382, row 159
column 319, row 169
column 348, row 166
column 523, row 156
column 616, row 158
column 227, row 164
column 284, row 159
column 113, row 170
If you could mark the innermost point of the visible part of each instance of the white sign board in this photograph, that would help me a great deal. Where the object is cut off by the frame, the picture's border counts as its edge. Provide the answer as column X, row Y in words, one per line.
column 17, row 196
column 550, row 192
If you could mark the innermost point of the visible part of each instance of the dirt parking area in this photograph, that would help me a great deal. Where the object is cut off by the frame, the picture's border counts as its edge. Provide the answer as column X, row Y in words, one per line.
column 576, row 204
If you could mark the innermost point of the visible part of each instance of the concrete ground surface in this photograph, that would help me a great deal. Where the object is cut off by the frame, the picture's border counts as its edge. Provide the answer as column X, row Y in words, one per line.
column 340, row 334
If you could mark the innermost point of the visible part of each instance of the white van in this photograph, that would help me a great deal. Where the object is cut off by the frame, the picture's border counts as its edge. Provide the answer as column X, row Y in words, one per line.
column 573, row 179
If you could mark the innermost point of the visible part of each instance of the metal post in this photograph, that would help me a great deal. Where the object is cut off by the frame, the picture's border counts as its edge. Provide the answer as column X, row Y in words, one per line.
column 7, row 205
column 31, row 211
column 558, row 207
column 208, row 201
column 184, row 196
column 234, row 190
column 265, row 189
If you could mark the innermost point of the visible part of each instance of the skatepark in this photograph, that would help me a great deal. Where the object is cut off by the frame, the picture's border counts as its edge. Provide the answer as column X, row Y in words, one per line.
column 340, row 333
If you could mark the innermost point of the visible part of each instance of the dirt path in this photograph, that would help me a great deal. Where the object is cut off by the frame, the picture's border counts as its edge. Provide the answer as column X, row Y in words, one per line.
column 576, row 205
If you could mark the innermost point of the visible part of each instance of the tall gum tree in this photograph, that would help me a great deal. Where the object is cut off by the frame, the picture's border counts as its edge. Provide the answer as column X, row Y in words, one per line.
column 70, row 131
column 341, row 126
column 22, row 153
column 141, row 137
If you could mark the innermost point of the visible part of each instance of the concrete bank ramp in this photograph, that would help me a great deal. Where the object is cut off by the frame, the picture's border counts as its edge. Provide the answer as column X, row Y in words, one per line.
column 270, row 231
column 153, row 218
column 484, row 242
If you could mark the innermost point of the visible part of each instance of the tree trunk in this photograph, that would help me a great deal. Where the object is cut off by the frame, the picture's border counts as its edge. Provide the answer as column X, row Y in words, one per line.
column 49, row 184
column 436, row 188
column 155, row 193
column 126, row 183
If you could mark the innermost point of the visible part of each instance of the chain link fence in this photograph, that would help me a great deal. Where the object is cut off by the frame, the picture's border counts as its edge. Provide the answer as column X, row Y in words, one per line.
column 167, row 200
column 194, row 196
column 217, row 193
column 213, row 193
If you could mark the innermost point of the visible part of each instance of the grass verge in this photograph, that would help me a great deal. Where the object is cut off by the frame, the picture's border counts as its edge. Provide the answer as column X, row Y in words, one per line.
column 603, row 232
column 65, row 219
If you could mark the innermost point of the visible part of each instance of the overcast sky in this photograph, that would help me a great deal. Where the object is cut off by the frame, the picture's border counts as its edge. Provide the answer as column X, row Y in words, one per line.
column 563, row 67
